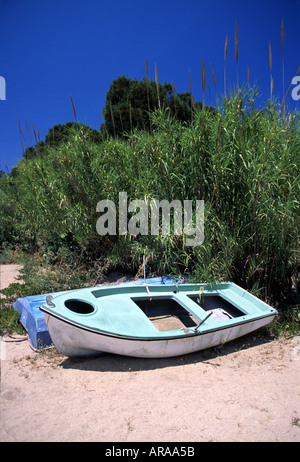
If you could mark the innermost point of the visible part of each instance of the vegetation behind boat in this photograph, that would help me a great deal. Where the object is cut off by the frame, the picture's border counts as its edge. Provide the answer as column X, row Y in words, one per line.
column 41, row 277
column 242, row 161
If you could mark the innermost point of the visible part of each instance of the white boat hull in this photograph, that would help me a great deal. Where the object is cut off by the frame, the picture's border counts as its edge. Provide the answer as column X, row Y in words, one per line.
column 72, row 340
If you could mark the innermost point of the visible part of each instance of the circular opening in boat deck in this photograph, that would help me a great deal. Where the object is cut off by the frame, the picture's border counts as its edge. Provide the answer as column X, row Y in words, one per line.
column 79, row 307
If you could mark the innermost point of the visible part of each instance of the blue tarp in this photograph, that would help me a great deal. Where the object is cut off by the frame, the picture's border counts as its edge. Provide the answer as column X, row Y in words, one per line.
column 33, row 319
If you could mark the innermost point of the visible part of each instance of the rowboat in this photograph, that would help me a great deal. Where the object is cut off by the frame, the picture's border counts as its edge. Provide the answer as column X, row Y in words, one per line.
column 152, row 321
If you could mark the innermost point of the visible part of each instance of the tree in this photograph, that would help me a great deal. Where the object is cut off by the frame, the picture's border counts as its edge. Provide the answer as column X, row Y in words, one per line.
column 30, row 152
column 129, row 103
column 60, row 134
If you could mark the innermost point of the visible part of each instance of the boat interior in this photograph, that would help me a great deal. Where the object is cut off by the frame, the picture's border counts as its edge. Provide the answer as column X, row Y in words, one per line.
column 166, row 313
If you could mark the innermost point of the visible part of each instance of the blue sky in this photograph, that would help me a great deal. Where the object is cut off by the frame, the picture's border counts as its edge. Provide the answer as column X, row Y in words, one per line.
column 50, row 49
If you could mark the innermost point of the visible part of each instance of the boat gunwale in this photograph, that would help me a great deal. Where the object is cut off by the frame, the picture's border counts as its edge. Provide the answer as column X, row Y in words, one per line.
column 187, row 332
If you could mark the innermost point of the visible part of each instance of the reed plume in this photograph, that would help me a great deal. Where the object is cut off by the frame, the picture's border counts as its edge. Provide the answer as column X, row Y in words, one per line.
column 28, row 130
column 73, row 107
column 34, row 134
column 22, row 136
column 121, row 121
column 112, row 118
column 237, row 53
column 208, row 87
column 130, row 117
column 147, row 84
column 282, row 45
column 173, row 91
column 203, row 82
column 148, row 97
column 191, row 93
column 271, row 70
column 225, row 59
column 20, row 130
column 157, row 87
column 214, row 78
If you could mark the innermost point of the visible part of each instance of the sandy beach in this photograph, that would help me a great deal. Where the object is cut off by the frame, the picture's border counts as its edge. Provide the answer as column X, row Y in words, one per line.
column 247, row 390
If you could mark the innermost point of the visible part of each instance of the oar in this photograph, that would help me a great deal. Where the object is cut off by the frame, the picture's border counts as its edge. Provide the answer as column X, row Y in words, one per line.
column 203, row 320
column 147, row 288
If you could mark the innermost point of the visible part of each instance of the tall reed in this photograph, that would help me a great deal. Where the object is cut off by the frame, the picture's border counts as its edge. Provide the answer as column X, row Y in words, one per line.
column 271, row 68
column 147, row 86
column 191, row 93
column 225, row 59
column 237, row 53
column 73, row 107
column 34, row 134
column 174, row 98
column 203, row 82
column 112, row 118
column 214, row 78
column 148, row 96
column 157, row 87
column 282, row 47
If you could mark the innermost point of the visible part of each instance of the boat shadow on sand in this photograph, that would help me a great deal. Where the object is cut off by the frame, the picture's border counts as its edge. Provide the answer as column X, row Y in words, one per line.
column 117, row 363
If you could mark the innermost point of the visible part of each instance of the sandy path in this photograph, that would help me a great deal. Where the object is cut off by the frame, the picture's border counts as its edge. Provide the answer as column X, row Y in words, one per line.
column 8, row 275
column 247, row 391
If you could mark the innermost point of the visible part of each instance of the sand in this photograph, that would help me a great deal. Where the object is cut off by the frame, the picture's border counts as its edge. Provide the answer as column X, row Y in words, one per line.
column 8, row 275
column 248, row 390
